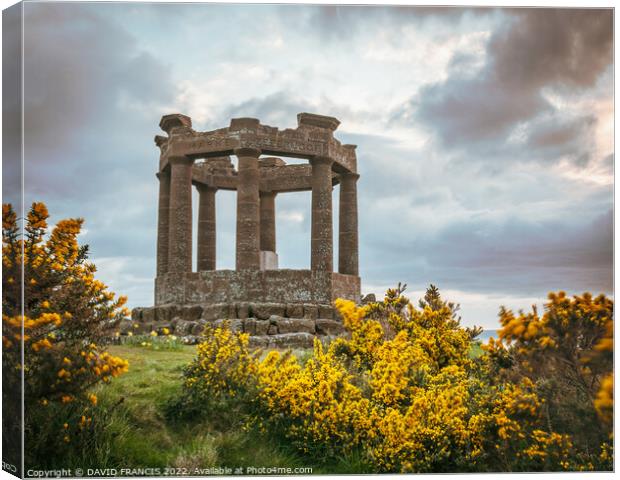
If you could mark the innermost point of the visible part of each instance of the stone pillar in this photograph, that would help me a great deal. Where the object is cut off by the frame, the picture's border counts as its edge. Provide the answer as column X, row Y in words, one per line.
column 268, row 221
column 163, row 217
column 248, row 210
column 348, row 250
column 180, row 223
column 322, row 229
column 206, row 228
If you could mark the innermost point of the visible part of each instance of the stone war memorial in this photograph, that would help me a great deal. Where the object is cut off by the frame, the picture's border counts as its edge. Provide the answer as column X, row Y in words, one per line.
column 276, row 307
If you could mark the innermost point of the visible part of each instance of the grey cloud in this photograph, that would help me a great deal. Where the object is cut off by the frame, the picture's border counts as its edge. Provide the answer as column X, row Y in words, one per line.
column 569, row 47
column 344, row 22
column 564, row 48
column 473, row 109
column 75, row 75
column 11, row 105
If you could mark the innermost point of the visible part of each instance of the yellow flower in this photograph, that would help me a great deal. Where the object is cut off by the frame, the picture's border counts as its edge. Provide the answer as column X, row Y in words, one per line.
column 93, row 398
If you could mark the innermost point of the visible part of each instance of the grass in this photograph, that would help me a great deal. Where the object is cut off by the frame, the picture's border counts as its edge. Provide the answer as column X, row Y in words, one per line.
column 142, row 436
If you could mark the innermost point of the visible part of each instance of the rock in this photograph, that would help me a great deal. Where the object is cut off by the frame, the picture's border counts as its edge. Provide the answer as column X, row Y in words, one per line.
column 243, row 310
column 193, row 312
column 235, row 324
column 370, row 298
column 166, row 313
column 293, row 325
column 184, row 327
column 327, row 326
column 263, row 311
column 291, row 340
column 148, row 315
column 215, row 311
column 143, row 328
column 294, row 310
column 126, row 326
column 325, row 311
column 199, row 327
column 256, row 327
column 136, row 314
column 273, row 330
column 311, row 311
column 258, row 341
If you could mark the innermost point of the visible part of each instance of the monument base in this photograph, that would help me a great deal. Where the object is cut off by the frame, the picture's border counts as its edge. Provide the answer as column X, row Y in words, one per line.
column 277, row 308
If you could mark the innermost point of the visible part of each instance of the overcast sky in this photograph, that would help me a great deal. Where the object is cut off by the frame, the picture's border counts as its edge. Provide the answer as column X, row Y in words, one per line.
column 485, row 136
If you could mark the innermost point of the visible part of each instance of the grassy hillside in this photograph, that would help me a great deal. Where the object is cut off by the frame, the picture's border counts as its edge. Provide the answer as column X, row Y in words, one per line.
column 141, row 434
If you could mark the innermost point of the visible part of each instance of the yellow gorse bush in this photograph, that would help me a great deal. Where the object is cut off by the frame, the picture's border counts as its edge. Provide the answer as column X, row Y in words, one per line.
column 401, row 389
column 65, row 314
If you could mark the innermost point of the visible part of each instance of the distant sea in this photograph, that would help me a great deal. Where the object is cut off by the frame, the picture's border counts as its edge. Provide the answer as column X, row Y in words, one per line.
column 486, row 334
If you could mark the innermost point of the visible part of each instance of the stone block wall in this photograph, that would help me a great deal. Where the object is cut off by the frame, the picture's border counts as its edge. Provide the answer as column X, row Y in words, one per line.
column 264, row 286
column 270, row 325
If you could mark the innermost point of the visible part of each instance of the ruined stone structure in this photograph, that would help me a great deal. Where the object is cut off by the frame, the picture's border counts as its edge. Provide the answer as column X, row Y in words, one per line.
column 257, row 297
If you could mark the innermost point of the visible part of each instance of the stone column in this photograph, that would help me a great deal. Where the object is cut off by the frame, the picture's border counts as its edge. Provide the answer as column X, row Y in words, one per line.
column 180, row 223
column 163, row 217
column 206, row 228
column 322, row 229
column 248, row 210
column 268, row 221
column 348, row 250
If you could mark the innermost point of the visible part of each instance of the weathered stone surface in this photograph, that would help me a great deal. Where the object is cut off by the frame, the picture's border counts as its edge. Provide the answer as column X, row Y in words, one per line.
column 263, row 311
column 165, row 313
column 291, row 340
column 370, row 298
column 215, row 311
column 294, row 310
column 256, row 327
column 136, row 314
column 321, row 229
column 193, row 312
column 311, row 311
column 243, row 310
column 125, row 327
column 255, row 286
column 143, row 328
column 273, row 330
column 199, row 327
column 258, row 341
column 327, row 326
column 180, row 215
column 163, row 228
column 235, row 325
column 325, row 311
column 184, row 327
column 206, row 228
column 148, row 315
column 347, row 229
column 292, row 325
column 248, row 210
